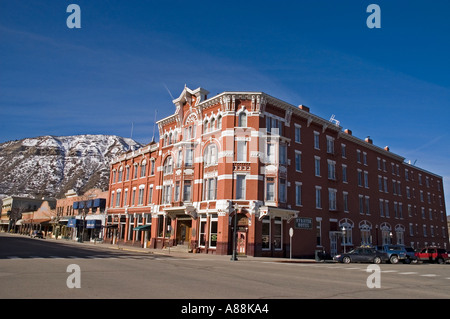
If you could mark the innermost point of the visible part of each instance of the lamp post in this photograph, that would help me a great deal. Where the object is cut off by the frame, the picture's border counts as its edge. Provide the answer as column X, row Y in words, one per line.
column 233, row 256
column 344, row 234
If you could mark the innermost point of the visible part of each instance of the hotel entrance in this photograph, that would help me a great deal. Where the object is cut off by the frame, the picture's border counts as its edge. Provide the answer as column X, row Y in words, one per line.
column 184, row 230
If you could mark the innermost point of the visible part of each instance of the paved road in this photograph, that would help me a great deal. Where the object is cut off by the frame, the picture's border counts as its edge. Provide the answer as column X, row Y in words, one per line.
column 35, row 268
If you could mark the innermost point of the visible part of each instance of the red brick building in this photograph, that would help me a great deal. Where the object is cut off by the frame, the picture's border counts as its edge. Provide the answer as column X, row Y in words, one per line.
column 275, row 166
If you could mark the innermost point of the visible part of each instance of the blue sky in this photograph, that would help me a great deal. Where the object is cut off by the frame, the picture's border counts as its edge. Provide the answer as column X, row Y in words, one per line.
column 129, row 57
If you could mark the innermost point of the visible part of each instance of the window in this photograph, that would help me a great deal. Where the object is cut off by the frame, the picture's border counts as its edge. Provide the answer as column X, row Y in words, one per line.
column 332, row 199
column 365, row 158
column 241, row 155
column 189, row 161
column 283, row 154
column 381, row 208
column 120, row 174
column 361, row 204
column 187, row 191
column 270, row 189
column 213, row 231
column 386, row 208
column 367, row 201
column 298, row 137
column 318, row 197
column 331, row 170
column 380, row 183
column 360, row 178
column 152, row 167
column 316, row 140
column 141, row 195
column 344, row 150
column 298, row 161
column 118, row 198
column 125, row 197
column 317, row 165
column 135, row 168
column 358, row 156
column 219, row 122
column 344, row 173
column 240, row 186
column 176, row 195
column 202, row 230
column 143, row 168
column 127, row 173
column 242, row 119
column 277, row 233
column 150, row 194
column 167, row 194
column 111, row 204
column 133, row 196
column 265, row 234
column 210, row 188
column 330, row 145
column 168, row 165
column 271, row 153
column 366, row 179
column 210, row 156
column 298, row 194
column 282, row 190
column 345, row 201
column 160, row 225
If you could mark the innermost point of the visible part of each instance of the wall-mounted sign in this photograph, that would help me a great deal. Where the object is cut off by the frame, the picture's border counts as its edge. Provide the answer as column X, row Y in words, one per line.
column 303, row 223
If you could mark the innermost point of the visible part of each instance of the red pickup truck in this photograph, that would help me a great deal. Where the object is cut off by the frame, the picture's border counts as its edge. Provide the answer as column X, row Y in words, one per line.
column 433, row 254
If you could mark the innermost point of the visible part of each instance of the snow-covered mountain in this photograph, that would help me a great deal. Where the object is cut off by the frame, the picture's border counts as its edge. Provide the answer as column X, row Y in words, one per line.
column 51, row 165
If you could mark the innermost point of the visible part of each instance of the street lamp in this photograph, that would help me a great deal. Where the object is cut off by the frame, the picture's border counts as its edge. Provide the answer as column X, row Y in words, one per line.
column 344, row 234
column 233, row 256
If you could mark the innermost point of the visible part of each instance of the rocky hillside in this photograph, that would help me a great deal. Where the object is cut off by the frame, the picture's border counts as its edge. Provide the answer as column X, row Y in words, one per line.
column 50, row 165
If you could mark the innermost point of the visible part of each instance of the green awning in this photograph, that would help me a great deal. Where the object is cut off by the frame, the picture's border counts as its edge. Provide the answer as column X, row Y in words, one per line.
column 143, row 227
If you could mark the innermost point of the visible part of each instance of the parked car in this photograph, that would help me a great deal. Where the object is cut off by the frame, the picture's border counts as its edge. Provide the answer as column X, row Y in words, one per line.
column 362, row 254
column 410, row 255
column 395, row 253
column 433, row 254
column 37, row 234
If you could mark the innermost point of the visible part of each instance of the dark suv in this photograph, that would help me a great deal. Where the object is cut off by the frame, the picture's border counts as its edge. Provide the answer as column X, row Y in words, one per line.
column 395, row 253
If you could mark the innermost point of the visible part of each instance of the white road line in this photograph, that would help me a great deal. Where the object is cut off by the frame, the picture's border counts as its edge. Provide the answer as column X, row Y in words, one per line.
column 408, row 273
column 13, row 257
column 429, row 275
column 389, row 271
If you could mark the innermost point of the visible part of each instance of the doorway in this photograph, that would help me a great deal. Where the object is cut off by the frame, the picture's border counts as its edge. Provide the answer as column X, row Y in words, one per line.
column 184, row 230
column 242, row 242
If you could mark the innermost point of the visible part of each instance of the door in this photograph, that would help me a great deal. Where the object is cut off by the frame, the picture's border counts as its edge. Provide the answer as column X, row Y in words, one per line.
column 184, row 232
column 333, row 244
column 242, row 243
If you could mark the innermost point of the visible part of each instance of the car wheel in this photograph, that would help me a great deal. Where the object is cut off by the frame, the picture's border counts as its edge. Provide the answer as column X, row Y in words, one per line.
column 377, row 260
column 346, row 260
column 440, row 261
column 407, row 261
column 393, row 259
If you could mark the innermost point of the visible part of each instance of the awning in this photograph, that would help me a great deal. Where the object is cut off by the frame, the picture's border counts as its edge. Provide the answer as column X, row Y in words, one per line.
column 286, row 214
column 143, row 227
column 36, row 221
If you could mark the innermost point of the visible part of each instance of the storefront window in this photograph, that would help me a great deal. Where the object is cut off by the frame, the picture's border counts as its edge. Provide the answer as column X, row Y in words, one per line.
column 213, row 232
column 277, row 242
column 202, row 234
column 265, row 238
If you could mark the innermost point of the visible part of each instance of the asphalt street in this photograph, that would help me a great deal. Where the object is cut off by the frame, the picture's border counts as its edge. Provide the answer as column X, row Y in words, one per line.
column 41, row 268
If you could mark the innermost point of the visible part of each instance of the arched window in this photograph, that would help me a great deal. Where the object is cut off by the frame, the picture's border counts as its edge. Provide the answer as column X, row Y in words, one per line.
column 205, row 126
column 242, row 119
column 210, row 155
column 213, row 123
column 219, row 122
column 168, row 165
